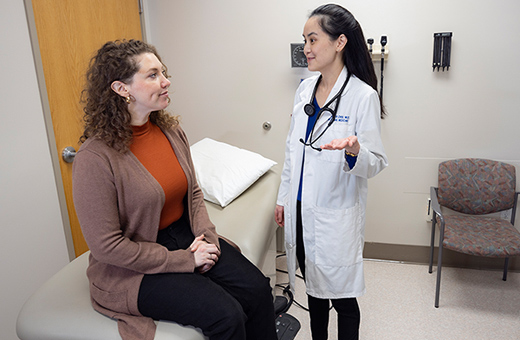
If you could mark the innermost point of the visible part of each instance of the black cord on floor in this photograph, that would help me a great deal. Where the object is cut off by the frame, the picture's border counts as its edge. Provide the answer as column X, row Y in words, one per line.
column 286, row 288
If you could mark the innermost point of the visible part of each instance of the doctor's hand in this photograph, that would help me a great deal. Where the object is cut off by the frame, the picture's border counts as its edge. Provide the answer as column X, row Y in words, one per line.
column 349, row 144
column 206, row 254
column 278, row 215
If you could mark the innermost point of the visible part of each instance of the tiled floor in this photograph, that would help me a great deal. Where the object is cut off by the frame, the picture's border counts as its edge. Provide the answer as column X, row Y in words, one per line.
column 399, row 304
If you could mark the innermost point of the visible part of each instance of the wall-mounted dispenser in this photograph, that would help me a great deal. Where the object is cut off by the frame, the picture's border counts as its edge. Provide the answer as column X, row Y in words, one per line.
column 441, row 50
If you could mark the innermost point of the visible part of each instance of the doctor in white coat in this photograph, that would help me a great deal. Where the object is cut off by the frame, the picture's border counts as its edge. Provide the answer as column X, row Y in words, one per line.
column 333, row 147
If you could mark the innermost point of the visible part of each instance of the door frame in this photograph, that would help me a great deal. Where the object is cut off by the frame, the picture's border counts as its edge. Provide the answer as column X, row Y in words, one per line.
column 44, row 98
column 51, row 138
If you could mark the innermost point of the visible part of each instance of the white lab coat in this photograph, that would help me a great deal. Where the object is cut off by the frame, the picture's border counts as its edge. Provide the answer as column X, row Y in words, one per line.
column 333, row 195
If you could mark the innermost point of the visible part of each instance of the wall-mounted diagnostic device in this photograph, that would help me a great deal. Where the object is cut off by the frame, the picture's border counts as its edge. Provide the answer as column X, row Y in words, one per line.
column 298, row 58
column 370, row 42
column 379, row 51
column 376, row 49
column 383, row 44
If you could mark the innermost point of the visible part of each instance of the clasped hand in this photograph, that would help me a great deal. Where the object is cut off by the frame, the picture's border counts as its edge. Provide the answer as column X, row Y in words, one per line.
column 206, row 254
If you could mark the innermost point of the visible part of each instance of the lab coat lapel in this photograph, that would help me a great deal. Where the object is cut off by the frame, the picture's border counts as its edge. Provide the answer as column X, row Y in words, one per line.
column 324, row 119
column 305, row 98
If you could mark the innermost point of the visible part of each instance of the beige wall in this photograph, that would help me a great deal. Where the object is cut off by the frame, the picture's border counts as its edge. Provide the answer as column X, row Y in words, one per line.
column 32, row 240
column 231, row 71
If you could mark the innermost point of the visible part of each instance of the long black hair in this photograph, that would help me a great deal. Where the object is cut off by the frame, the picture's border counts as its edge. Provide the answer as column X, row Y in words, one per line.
column 335, row 21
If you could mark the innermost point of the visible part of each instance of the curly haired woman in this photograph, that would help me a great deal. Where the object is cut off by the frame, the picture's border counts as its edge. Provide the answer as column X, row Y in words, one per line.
column 154, row 252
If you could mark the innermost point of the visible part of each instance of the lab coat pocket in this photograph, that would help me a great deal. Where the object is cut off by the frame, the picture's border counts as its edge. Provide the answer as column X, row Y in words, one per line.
column 338, row 236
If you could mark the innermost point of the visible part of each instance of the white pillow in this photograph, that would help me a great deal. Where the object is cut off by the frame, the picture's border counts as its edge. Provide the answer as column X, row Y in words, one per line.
column 224, row 171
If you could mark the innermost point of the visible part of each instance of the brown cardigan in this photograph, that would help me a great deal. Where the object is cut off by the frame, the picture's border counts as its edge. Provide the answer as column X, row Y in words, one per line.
column 119, row 203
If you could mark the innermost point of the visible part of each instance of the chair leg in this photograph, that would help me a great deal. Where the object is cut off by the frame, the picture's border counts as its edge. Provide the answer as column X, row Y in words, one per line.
column 432, row 244
column 506, row 264
column 439, row 266
column 438, row 284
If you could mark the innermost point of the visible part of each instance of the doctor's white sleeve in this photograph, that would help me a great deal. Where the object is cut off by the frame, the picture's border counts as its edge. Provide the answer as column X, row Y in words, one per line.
column 372, row 157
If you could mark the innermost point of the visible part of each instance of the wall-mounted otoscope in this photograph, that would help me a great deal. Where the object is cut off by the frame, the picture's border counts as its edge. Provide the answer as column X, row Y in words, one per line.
column 370, row 42
column 383, row 44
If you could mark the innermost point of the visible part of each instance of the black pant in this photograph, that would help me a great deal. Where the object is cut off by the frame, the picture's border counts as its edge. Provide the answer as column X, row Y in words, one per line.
column 349, row 316
column 233, row 300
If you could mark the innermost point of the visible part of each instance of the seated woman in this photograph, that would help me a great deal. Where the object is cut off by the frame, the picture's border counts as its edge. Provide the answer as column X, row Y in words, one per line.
column 154, row 252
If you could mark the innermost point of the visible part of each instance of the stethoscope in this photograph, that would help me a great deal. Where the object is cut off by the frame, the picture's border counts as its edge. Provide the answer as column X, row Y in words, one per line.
column 310, row 111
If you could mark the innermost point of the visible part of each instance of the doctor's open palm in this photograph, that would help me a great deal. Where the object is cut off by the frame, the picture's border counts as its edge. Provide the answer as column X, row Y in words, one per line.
column 350, row 144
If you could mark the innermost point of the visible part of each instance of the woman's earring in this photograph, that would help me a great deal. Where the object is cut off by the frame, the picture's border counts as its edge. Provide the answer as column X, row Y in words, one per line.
column 169, row 100
column 128, row 100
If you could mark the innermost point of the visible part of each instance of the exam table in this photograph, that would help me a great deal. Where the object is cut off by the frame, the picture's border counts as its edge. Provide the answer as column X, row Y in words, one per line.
column 61, row 309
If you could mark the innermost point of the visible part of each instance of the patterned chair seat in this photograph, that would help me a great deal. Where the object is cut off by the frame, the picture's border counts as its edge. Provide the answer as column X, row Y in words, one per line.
column 481, row 236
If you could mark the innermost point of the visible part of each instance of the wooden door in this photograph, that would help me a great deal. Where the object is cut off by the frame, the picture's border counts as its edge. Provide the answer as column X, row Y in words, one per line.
column 69, row 33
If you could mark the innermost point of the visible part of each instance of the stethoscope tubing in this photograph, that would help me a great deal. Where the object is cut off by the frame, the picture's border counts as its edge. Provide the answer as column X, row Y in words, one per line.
column 326, row 107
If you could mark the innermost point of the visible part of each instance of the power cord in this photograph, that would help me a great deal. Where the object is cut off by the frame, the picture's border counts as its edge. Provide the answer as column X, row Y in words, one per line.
column 287, row 326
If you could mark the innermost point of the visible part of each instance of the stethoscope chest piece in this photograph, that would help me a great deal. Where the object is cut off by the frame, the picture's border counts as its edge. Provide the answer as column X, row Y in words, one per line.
column 309, row 109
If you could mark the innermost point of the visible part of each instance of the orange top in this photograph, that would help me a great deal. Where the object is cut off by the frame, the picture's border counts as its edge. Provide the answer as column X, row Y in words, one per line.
column 154, row 151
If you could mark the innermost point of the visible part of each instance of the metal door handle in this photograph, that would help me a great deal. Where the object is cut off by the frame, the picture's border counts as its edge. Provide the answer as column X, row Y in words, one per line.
column 68, row 154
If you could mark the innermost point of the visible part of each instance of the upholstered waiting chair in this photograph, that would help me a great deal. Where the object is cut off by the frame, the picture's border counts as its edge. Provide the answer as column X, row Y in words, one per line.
column 475, row 187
